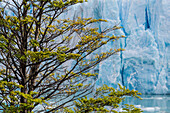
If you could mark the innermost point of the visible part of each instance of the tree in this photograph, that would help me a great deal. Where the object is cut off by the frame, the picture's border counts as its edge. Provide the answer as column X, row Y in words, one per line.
column 38, row 64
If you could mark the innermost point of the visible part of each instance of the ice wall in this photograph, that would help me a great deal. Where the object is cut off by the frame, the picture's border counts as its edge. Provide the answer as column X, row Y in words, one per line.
column 145, row 65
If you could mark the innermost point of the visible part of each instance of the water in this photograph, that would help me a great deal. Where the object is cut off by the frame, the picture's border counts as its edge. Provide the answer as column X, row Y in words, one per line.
column 151, row 103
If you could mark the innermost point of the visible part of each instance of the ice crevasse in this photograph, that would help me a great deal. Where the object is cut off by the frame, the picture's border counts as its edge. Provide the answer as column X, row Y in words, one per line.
column 145, row 65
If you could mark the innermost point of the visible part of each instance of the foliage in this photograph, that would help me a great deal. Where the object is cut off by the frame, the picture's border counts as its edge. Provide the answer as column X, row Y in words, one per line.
column 10, row 94
column 106, row 97
column 38, row 63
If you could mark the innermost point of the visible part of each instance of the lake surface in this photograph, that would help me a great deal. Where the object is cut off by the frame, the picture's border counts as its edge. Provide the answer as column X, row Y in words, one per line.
column 151, row 103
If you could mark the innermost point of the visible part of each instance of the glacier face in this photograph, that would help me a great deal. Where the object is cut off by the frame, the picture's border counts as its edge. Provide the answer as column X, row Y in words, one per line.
column 145, row 65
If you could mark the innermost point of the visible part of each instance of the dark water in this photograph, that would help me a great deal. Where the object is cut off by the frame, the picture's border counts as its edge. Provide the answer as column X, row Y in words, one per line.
column 151, row 103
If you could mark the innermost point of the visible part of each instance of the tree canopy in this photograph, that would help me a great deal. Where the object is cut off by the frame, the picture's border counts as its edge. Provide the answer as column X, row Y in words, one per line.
column 39, row 66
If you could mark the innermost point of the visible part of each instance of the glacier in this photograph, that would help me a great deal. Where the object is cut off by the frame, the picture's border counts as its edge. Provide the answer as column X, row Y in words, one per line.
column 145, row 65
